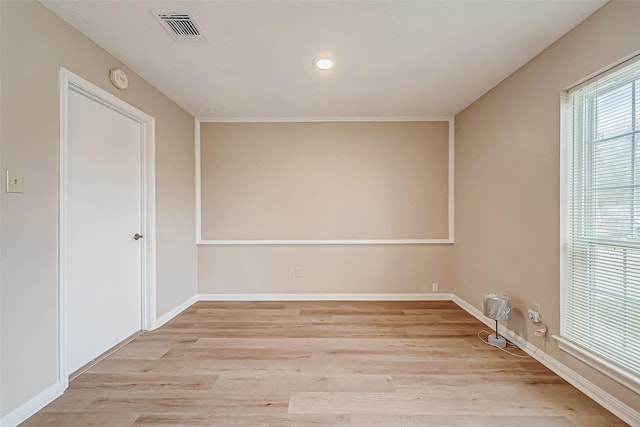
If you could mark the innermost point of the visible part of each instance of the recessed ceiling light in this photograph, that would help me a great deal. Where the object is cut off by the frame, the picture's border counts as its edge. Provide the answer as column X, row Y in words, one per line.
column 324, row 63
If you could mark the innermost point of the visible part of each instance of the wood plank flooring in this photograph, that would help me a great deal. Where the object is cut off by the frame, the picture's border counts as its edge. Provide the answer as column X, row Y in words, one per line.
column 322, row 364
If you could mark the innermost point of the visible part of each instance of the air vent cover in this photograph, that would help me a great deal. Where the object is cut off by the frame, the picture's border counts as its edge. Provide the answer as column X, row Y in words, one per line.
column 180, row 26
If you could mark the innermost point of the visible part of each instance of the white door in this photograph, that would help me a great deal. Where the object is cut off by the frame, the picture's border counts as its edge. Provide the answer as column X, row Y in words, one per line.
column 103, row 302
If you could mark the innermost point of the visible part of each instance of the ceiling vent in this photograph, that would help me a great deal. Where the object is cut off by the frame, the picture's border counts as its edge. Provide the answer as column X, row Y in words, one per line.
column 180, row 26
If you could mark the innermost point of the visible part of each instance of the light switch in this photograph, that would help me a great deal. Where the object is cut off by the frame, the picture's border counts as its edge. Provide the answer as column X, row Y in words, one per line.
column 14, row 182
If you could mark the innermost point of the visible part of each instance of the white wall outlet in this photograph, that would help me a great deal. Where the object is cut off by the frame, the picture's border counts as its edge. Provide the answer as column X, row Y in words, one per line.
column 14, row 182
column 435, row 287
column 297, row 272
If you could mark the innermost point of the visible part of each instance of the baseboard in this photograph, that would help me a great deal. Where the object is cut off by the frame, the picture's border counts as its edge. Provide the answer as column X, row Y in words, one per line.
column 325, row 297
column 175, row 311
column 607, row 401
column 32, row 406
column 473, row 311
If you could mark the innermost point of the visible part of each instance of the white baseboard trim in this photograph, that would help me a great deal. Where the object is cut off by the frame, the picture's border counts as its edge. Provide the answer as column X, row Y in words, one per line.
column 474, row 311
column 325, row 297
column 615, row 406
column 32, row 406
column 175, row 311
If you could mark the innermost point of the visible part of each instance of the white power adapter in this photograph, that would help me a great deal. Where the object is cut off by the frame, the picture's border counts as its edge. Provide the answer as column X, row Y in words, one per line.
column 541, row 332
column 534, row 316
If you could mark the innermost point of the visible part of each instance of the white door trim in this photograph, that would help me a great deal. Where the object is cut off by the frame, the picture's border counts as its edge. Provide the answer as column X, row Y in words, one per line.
column 72, row 82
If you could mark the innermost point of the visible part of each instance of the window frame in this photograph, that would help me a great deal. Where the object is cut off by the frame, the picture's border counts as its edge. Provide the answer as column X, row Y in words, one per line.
column 591, row 358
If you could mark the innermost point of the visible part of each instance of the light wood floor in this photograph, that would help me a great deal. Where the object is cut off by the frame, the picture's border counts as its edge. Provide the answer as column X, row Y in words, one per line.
column 323, row 364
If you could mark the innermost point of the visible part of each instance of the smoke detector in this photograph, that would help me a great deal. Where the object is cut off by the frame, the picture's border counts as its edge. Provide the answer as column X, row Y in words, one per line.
column 179, row 25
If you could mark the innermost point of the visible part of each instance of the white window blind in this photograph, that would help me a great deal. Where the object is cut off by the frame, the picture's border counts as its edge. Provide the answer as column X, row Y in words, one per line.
column 601, row 304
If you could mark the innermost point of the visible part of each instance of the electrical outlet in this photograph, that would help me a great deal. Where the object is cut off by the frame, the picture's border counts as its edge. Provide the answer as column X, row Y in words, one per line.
column 14, row 182
column 297, row 272
column 535, row 306
column 435, row 287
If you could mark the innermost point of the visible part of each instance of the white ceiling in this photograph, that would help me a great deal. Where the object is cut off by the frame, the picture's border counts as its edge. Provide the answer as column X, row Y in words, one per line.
column 393, row 58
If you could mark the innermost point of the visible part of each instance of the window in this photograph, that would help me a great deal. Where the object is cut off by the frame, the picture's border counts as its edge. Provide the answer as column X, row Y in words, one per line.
column 601, row 283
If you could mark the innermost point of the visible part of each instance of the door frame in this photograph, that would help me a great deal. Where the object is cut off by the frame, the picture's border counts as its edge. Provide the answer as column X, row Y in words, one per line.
column 72, row 82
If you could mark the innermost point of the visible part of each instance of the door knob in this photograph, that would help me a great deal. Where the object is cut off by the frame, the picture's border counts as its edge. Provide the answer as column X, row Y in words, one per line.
column 137, row 236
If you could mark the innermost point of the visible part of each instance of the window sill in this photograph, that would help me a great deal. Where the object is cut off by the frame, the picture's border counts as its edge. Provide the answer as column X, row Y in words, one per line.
column 602, row 365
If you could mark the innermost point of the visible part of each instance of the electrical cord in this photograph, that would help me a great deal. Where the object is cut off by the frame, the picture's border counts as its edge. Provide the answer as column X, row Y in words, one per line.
column 508, row 343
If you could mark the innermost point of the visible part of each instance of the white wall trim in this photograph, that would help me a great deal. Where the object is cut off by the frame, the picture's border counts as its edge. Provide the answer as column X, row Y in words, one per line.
column 326, row 297
column 452, row 176
column 451, row 187
column 72, row 82
column 323, row 119
column 615, row 406
column 328, row 242
column 474, row 311
column 198, row 178
column 33, row 405
column 175, row 311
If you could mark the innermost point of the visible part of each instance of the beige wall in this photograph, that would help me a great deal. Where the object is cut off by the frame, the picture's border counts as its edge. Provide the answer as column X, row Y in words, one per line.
column 325, row 269
column 402, row 166
column 334, row 180
column 508, row 178
column 34, row 44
